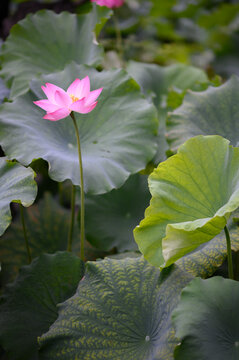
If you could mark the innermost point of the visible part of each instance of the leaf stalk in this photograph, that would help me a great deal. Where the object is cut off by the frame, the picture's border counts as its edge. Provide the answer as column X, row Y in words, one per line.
column 119, row 41
column 71, row 229
column 25, row 235
column 82, row 209
column 229, row 254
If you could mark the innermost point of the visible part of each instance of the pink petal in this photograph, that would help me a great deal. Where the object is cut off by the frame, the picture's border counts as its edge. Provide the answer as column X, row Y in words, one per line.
column 46, row 105
column 93, row 95
column 62, row 99
column 79, row 106
column 50, row 90
column 73, row 87
column 118, row 3
column 57, row 115
column 83, row 88
column 109, row 3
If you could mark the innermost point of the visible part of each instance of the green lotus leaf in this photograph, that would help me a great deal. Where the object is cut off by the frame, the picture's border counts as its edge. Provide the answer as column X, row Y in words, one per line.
column 100, row 15
column 47, row 225
column 222, row 16
column 156, row 81
column 212, row 331
column 29, row 305
column 36, row 45
column 214, row 111
column 193, row 195
column 121, row 310
column 162, row 8
column 17, row 184
column 111, row 218
column 117, row 138
column 176, row 96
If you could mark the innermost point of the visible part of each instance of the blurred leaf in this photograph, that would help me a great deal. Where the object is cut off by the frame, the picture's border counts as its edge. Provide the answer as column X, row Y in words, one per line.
column 214, row 111
column 47, row 226
column 156, row 82
column 162, row 8
column 29, row 305
column 222, row 16
column 227, row 63
column 193, row 195
column 212, row 331
column 121, row 310
column 160, row 79
column 16, row 185
column 165, row 30
column 111, row 218
column 180, row 52
column 4, row 91
column 101, row 14
column 118, row 138
column 176, row 96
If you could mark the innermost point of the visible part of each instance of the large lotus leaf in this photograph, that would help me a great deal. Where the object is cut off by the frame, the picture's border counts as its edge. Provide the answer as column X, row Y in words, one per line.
column 17, row 184
column 121, row 310
column 193, row 194
column 207, row 320
column 47, row 226
column 111, row 218
column 44, row 43
column 156, row 81
column 214, row 111
column 29, row 305
column 117, row 138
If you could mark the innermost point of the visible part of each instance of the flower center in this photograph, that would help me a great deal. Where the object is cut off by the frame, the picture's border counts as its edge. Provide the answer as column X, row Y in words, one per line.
column 74, row 98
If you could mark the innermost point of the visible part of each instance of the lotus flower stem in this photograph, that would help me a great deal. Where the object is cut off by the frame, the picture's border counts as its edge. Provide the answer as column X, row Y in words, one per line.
column 118, row 37
column 25, row 234
column 82, row 210
column 71, row 229
column 60, row 190
column 229, row 254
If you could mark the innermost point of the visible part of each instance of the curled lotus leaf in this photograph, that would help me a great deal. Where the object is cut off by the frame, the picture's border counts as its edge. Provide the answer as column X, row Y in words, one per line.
column 17, row 184
column 156, row 82
column 118, row 138
column 111, row 217
column 193, row 195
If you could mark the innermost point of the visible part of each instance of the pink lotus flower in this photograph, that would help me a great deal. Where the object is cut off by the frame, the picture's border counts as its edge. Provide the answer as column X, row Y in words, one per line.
column 109, row 3
column 59, row 103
